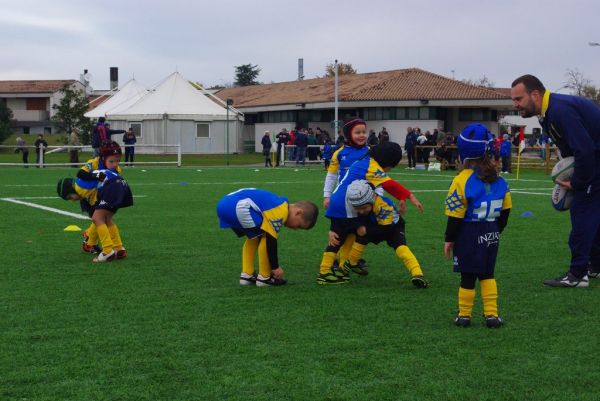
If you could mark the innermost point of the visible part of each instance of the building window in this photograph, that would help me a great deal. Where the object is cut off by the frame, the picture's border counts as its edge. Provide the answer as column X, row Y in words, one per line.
column 389, row 113
column 47, row 130
column 137, row 129
column 424, row 113
column 26, row 130
column 401, row 113
column 202, row 130
column 477, row 114
column 36, row 103
column 413, row 113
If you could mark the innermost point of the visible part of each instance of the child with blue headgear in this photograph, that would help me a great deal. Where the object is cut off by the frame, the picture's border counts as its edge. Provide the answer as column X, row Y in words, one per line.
column 477, row 206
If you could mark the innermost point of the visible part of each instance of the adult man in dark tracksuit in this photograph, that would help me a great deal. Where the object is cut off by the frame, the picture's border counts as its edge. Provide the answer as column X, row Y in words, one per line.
column 573, row 123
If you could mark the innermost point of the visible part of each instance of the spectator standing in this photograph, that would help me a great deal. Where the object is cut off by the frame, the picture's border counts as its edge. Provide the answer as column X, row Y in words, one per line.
column 282, row 139
column 22, row 147
column 543, row 143
column 372, row 140
column 98, row 136
column 74, row 152
column 292, row 141
column 409, row 146
column 505, row 149
column 301, row 142
column 340, row 140
column 384, row 136
column 40, row 148
column 313, row 151
column 129, row 140
column 266, row 144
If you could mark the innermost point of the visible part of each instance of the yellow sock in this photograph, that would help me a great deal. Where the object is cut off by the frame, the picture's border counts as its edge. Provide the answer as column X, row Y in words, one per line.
column 410, row 261
column 115, row 236
column 92, row 233
column 346, row 247
column 465, row 301
column 356, row 253
column 264, row 267
column 104, row 234
column 489, row 296
column 248, row 253
column 326, row 262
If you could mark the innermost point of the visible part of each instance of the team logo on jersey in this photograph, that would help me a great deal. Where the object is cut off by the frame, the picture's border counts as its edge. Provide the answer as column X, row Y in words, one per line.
column 276, row 223
column 384, row 214
column 379, row 174
column 453, row 201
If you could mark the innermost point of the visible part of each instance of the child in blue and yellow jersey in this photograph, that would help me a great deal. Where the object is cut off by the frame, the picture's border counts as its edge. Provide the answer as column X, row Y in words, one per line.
column 260, row 215
column 355, row 132
column 477, row 206
column 382, row 222
column 101, row 191
column 372, row 167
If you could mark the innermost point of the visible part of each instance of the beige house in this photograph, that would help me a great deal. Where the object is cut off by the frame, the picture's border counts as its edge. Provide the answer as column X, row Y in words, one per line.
column 31, row 103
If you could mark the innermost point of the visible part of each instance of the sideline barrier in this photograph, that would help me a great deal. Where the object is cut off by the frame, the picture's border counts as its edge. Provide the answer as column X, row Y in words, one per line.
column 87, row 148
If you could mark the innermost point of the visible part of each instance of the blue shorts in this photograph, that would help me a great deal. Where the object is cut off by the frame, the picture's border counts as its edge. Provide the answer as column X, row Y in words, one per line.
column 115, row 194
column 241, row 218
column 476, row 248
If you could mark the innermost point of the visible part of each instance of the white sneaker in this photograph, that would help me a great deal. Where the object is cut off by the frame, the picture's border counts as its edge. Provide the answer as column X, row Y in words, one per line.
column 101, row 258
column 247, row 279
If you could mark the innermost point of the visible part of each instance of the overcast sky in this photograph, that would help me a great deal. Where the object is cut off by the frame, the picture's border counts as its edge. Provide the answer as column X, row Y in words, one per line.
column 203, row 40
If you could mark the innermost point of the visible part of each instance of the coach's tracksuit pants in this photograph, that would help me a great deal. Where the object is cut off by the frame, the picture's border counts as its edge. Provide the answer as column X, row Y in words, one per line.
column 584, row 239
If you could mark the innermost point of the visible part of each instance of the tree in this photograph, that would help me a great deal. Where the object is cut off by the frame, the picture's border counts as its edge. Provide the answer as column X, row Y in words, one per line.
column 70, row 113
column 484, row 82
column 246, row 74
column 576, row 81
column 5, row 117
column 592, row 93
column 343, row 69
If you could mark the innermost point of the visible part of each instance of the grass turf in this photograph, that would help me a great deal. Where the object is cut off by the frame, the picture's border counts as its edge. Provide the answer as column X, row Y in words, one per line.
column 171, row 322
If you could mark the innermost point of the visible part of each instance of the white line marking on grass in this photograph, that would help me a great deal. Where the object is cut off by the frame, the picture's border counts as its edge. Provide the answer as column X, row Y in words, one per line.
column 530, row 193
column 49, row 209
column 56, row 197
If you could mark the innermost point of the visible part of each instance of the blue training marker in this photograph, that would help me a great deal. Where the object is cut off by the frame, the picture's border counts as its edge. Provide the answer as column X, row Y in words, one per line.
column 184, row 183
column 527, row 214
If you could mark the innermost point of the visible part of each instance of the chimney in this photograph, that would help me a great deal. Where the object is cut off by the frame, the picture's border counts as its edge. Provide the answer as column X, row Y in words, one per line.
column 300, row 69
column 114, row 78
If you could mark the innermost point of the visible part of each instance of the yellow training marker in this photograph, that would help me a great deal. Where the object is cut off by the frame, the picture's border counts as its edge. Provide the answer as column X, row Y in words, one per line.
column 72, row 227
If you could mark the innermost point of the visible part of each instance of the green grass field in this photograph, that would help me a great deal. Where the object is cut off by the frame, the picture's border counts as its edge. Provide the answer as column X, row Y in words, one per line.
column 171, row 322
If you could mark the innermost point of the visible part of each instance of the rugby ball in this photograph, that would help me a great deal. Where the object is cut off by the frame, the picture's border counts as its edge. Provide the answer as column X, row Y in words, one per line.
column 561, row 198
column 563, row 170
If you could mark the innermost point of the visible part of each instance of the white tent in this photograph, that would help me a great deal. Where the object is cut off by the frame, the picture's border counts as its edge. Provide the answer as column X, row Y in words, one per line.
column 175, row 112
column 122, row 99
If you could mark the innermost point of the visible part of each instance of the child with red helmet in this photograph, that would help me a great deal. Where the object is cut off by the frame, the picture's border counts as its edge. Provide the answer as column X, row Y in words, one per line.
column 102, row 191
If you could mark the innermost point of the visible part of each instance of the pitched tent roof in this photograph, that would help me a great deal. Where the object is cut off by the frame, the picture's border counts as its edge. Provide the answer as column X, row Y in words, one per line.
column 34, row 86
column 406, row 84
column 176, row 98
column 121, row 100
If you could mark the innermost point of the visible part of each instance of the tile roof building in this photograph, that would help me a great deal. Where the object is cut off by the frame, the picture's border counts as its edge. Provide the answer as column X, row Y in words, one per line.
column 393, row 99
column 31, row 103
